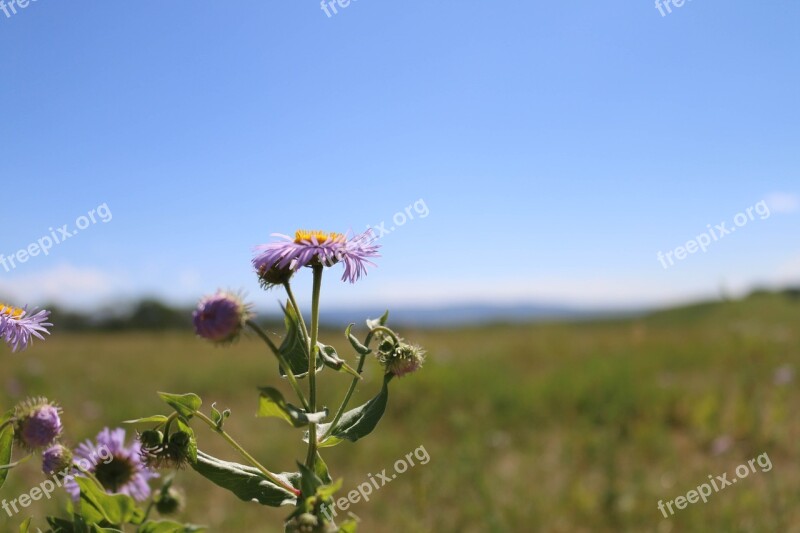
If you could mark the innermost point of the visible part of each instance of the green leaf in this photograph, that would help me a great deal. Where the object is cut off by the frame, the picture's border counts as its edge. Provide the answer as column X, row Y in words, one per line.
column 25, row 525
column 361, row 421
column 183, row 426
column 185, row 404
column 245, row 482
column 6, row 445
column 309, row 481
column 326, row 492
column 271, row 403
column 168, row 526
column 155, row 419
column 372, row 323
column 331, row 358
column 60, row 525
column 217, row 417
column 294, row 348
column 114, row 508
column 348, row 527
column 321, row 469
column 357, row 346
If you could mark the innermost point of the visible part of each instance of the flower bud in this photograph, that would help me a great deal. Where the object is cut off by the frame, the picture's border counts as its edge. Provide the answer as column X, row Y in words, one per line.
column 151, row 439
column 169, row 502
column 220, row 318
column 305, row 523
column 174, row 453
column 269, row 277
column 56, row 460
column 38, row 423
column 401, row 359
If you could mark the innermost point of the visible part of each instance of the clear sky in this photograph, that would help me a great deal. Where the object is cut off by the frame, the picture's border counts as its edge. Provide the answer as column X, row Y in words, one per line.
column 554, row 147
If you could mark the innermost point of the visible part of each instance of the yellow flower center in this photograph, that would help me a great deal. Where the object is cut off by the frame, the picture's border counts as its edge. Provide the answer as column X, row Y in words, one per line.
column 12, row 312
column 321, row 236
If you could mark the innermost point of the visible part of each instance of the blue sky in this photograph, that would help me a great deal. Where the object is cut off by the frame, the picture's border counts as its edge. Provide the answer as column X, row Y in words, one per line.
column 557, row 146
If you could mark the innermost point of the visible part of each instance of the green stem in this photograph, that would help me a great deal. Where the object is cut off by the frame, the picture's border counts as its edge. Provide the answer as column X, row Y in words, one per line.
column 347, row 397
column 303, row 328
column 147, row 513
column 247, row 457
column 281, row 360
column 387, row 331
column 168, row 424
column 312, row 364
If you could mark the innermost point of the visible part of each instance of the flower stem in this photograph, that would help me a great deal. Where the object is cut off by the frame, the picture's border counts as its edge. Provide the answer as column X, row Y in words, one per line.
column 282, row 361
column 347, row 397
column 247, row 457
column 290, row 293
column 312, row 364
column 387, row 331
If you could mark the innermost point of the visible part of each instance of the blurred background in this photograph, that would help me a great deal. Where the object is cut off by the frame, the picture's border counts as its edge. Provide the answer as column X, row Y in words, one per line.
column 588, row 215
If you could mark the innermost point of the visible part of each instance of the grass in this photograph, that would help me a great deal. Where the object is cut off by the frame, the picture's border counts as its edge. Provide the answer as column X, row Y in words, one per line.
column 562, row 427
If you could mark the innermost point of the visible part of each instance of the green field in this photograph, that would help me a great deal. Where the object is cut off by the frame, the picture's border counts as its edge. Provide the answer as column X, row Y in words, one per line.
column 559, row 427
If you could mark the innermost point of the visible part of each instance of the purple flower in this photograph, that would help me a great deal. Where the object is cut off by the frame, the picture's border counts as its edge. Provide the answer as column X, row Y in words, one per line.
column 220, row 318
column 56, row 460
column 38, row 423
column 309, row 248
column 17, row 327
column 118, row 468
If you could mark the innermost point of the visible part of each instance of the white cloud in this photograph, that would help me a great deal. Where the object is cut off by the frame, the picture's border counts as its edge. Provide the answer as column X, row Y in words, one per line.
column 789, row 272
column 63, row 284
column 783, row 202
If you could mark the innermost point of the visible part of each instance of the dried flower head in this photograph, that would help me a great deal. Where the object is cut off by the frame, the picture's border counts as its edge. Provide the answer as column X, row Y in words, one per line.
column 401, row 359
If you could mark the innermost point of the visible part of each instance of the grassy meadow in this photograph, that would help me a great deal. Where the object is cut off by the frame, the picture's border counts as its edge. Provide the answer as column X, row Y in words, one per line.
column 557, row 427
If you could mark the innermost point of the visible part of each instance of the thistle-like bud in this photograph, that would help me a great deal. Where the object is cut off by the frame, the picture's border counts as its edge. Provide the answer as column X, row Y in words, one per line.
column 270, row 277
column 158, row 454
column 38, row 423
column 304, row 523
column 169, row 502
column 401, row 359
column 56, row 460
column 220, row 318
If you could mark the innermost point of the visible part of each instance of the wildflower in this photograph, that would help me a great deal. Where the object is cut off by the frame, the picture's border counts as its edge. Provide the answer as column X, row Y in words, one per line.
column 17, row 326
column 314, row 248
column 401, row 359
column 38, row 423
column 56, row 460
column 123, row 471
column 220, row 318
